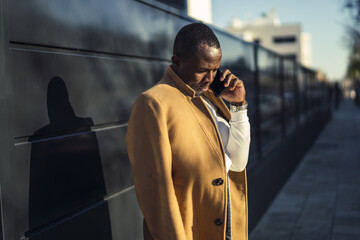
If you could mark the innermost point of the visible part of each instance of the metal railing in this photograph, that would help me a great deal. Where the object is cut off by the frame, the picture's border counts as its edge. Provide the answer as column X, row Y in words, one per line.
column 282, row 96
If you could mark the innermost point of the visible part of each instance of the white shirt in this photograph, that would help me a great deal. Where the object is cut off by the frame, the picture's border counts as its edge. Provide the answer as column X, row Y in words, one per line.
column 235, row 136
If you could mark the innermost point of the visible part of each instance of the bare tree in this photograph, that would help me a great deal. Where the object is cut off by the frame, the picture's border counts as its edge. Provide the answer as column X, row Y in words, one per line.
column 353, row 8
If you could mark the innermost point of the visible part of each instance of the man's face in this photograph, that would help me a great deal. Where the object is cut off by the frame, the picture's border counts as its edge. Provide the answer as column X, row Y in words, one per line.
column 199, row 69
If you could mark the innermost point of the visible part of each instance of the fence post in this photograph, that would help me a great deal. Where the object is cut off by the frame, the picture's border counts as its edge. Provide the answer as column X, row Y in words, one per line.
column 282, row 97
column 296, row 93
column 257, row 101
column 306, row 89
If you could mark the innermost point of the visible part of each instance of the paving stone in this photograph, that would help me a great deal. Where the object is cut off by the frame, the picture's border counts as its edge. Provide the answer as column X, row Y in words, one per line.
column 288, row 202
column 347, row 222
column 321, row 200
column 283, row 221
column 343, row 236
column 308, row 235
column 271, row 235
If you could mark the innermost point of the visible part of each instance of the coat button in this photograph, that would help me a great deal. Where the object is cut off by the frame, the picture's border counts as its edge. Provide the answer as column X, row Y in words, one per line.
column 218, row 222
column 218, row 182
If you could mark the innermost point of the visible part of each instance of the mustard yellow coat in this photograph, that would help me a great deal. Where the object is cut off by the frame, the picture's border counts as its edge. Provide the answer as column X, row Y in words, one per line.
column 177, row 156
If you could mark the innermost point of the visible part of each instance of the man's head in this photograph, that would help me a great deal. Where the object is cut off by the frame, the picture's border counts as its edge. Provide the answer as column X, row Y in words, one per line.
column 196, row 56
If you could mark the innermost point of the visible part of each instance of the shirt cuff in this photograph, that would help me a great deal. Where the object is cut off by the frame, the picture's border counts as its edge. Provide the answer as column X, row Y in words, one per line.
column 239, row 116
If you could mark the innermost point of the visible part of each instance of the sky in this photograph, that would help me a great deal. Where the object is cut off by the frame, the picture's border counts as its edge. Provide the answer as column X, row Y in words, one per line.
column 324, row 20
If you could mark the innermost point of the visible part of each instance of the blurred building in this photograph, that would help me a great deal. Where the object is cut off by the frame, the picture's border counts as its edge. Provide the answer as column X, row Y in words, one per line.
column 200, row 10
column 285, row 39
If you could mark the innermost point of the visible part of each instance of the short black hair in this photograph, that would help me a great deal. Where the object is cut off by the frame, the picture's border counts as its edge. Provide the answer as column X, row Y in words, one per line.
column 191, row 36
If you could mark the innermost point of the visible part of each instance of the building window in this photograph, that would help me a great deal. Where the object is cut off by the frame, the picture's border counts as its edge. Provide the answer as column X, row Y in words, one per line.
column 175, row 3
column 290, row 56
column 284, row 39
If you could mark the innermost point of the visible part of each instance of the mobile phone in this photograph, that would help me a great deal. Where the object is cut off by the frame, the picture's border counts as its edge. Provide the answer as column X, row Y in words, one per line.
column 217, row 86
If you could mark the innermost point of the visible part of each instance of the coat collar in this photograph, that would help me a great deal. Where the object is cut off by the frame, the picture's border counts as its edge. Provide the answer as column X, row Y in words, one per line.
column 170, row 75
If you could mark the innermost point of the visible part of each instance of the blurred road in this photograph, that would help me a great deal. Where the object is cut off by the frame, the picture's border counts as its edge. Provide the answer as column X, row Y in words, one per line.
column 321, row 200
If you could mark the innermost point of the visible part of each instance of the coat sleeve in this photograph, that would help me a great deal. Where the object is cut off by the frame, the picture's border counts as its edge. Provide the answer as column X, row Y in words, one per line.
column 150, row 156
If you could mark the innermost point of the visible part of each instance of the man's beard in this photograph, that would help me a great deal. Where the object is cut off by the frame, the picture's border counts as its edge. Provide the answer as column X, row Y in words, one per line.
column 199, row 88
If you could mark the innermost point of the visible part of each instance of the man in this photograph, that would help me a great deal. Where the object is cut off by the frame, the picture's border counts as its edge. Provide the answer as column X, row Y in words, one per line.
column 187, row 151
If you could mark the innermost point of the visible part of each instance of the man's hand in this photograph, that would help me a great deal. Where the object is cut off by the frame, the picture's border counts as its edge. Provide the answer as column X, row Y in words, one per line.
column 235, row 92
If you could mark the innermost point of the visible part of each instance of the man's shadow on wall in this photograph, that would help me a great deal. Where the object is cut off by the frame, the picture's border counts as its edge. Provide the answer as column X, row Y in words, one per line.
column 66, row 175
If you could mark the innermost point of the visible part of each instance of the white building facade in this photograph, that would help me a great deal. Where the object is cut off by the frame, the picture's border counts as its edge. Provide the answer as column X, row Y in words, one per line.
column 200, row 10
column 285, row 39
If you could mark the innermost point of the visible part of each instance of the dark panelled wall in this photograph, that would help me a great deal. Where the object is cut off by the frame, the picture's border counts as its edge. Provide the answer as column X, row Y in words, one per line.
column 4, row 134
column 69, row 74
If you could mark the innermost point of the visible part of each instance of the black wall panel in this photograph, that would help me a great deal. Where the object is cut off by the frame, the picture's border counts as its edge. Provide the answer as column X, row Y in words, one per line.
column 99, row 87
column 116, row 218
column 69, row 114
column 5, row 145
column 124, row 27
column 70, row 73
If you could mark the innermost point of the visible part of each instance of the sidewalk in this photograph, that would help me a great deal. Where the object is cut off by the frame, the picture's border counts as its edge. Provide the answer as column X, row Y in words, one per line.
column 321, row 200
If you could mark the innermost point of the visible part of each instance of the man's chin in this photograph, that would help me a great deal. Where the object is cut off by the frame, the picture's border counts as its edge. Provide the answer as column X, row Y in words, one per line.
column 201, row 90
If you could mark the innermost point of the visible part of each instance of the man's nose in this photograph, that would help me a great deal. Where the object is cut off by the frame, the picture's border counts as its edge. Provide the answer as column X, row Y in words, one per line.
column 210, row 75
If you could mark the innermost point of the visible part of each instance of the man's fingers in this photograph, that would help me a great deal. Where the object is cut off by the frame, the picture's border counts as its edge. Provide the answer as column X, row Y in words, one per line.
column 230, row 80
column 225, row 74
column 228, row 76
column 236, row 83
column 232, row 84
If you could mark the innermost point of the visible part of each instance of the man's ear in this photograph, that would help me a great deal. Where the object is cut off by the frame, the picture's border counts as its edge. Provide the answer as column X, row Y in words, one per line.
column 175, row 62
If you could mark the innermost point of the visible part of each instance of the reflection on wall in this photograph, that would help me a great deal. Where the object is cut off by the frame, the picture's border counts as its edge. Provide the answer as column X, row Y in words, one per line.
column 1, row 233
column 66, row 172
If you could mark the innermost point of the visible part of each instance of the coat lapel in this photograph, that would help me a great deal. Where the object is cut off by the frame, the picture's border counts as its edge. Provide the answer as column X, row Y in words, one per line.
column 205, row 118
